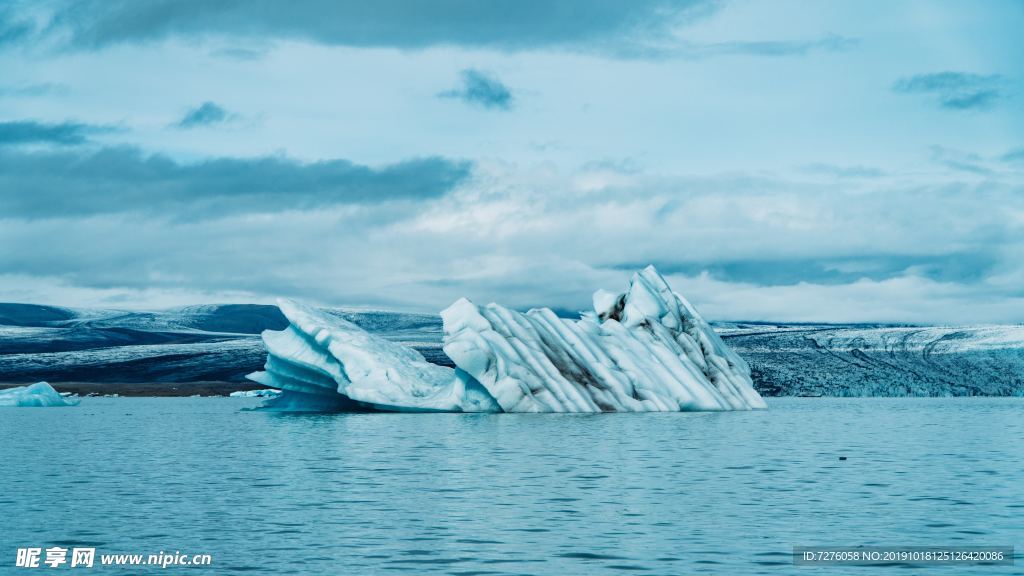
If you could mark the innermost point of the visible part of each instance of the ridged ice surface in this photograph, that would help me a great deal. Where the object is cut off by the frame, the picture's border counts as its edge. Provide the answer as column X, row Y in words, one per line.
column 323, row 361
column 644, row 350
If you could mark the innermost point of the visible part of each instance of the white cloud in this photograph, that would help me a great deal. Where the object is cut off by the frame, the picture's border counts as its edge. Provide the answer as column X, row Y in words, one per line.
column 908, row 299
column 770, row 248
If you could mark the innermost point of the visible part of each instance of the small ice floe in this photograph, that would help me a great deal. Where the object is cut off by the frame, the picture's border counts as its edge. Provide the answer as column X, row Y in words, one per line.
column 39, row 394
column 263, row 393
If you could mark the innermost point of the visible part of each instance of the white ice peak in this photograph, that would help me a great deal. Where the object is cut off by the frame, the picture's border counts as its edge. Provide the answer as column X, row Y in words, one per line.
column 37, row 395
column 643, row 350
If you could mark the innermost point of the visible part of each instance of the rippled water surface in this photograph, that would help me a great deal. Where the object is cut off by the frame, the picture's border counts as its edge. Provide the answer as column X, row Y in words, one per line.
column 727, row 493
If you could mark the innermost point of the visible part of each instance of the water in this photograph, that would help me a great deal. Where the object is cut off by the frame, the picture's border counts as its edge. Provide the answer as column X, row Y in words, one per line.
column 724, row 493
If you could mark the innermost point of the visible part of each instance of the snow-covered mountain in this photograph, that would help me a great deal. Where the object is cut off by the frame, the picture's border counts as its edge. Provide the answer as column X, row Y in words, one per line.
column 222, row 343
column 829, row 360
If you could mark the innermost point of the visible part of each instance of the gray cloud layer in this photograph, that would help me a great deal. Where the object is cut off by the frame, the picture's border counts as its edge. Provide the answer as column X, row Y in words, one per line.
column 482, row 89
column 858, row 231
column 825, row 248
column 32, row 90
column 206, row 114
column 769, row 48
column 503, row 24
column 833, row 271
column 13, row 29
column 647, row 29
column 1016, row 155
column 83, row 182
column 29, row 132
column 955, row 90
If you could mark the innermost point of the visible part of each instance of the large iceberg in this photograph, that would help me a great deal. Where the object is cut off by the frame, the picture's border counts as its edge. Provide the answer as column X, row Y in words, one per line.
column 40, row 394
column 644, row 350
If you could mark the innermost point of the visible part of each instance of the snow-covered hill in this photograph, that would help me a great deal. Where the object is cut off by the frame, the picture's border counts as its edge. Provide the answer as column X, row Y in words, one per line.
column 198, row 343
column 882, row 360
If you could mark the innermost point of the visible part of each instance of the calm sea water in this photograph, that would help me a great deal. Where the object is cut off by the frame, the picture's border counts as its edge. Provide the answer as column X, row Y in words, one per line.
column 724, row 493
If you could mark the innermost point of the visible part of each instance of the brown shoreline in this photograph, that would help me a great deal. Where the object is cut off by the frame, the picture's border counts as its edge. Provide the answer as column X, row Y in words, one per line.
column 157, row 389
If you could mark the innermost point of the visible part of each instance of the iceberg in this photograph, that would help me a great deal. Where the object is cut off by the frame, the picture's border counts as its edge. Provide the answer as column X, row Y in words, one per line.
column 646, row 349
column 40, row 394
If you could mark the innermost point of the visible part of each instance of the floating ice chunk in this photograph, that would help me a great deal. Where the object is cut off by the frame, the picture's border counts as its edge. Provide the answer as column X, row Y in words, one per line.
column 322, row 359
column 36, row 395
column 646, row 349
column 263, row 393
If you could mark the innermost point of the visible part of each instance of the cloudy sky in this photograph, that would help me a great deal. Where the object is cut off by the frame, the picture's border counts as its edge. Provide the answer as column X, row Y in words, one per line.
column 802, row 161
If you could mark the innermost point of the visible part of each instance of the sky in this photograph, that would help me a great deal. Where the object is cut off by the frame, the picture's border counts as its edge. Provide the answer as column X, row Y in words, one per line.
column 858, row 161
